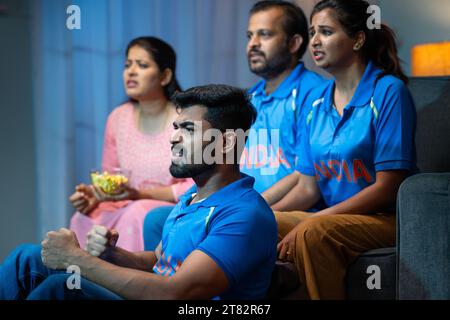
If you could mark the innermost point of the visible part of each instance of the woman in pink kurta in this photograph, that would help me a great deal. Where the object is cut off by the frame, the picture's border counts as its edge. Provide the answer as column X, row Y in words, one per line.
column 137, row 139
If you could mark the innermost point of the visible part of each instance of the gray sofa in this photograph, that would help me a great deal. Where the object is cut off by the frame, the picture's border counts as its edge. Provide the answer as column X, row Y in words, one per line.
column 423, row 222
column 423, row 243
column 419, row 266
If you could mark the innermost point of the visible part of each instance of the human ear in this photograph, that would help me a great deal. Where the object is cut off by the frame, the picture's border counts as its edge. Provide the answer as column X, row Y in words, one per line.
column 360, row 39
column 295, row 43
column 229, row 141
column 166, row 77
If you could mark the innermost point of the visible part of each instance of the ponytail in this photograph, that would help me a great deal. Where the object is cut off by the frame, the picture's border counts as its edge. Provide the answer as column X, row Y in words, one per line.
column 172, row 87
column 380, row 45
column 381, row 48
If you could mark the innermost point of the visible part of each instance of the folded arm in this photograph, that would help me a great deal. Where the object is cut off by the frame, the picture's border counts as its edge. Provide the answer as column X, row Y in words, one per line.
column 302, row 196
column 379, row 197
column 280, row 189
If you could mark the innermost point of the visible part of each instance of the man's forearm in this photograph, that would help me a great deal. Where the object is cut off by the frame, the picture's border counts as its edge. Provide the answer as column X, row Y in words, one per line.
column 127, row 283
column 135, row 260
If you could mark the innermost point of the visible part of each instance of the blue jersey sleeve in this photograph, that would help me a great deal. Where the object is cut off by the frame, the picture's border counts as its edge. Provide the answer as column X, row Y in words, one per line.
column 305, row 163
column 310, row 81
column 238, row 241
column 299, row 119
column 394, row 129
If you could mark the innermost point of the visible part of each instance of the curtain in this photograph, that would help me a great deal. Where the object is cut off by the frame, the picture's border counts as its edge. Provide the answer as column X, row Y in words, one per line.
column 77, row 76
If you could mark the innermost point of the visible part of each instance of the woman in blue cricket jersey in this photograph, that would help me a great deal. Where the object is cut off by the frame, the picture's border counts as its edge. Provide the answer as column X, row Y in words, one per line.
column 358, row 142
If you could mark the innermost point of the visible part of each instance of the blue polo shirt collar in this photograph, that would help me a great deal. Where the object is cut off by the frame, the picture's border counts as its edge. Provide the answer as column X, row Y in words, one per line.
column 366, row 87
column 229, row 193
column 364, row 92
column 284, row 90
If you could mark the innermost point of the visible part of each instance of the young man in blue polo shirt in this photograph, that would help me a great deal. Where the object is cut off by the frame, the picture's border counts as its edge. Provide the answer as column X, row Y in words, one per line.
column 211, row 245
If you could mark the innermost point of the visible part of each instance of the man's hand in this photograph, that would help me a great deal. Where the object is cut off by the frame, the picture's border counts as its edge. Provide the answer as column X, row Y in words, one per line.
column 58, row 248
column 100, row 241
column 85, row 199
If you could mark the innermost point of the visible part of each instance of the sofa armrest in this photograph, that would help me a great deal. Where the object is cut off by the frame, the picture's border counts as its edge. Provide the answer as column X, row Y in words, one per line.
column 423, row 237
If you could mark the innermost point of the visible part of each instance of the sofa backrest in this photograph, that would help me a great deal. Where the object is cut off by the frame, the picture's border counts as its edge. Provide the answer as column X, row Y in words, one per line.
column 432, row 99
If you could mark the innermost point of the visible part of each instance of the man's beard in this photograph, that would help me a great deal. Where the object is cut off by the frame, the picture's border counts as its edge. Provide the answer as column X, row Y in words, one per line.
column 189, row 170
column 273, row 67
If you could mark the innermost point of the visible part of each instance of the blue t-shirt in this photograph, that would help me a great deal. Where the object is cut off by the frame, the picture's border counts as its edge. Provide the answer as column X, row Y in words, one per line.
column 273, row 143
column 235, row 227
column 375, row 133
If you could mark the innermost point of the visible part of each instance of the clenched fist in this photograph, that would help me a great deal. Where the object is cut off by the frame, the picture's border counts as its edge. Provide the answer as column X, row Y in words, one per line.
column 100, row 240
column 58, row 248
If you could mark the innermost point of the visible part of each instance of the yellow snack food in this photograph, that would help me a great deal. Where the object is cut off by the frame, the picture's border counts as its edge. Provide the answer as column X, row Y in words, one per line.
column 108, row 183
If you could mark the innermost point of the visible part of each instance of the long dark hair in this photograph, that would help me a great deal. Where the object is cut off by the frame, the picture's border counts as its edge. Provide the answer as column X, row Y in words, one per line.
column 164, row 56
column 380, row 45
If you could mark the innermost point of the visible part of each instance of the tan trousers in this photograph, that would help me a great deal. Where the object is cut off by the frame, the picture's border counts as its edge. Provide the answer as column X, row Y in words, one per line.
column 325, row 246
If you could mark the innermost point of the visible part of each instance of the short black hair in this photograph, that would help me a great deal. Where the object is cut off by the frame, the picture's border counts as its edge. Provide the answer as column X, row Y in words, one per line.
column 228, row 107
column 294, row 22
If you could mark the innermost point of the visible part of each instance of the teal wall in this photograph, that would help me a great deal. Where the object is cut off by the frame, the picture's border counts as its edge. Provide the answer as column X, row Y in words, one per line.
column 17, row 153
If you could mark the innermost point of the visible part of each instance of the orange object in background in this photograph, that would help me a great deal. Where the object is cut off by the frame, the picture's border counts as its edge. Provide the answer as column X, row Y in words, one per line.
column 431, row 59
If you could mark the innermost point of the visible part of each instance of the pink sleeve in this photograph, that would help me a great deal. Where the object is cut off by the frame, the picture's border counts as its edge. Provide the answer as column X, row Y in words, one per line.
column 181, row 187
column 110, row 159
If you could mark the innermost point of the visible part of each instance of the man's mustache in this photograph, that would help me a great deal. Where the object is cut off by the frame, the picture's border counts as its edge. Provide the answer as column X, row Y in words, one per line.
column 256, row 52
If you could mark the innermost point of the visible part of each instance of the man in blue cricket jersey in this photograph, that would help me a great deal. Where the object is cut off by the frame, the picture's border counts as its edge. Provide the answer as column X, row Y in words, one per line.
column 211, row 246
column 277, row 40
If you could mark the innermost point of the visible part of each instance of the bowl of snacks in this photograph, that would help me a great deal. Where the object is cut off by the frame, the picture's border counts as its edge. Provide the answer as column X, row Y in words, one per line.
column 109, row 181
